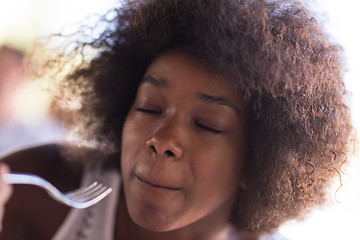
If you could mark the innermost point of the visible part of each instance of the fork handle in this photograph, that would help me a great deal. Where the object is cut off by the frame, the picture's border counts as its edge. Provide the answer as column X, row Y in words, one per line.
column 20, row 178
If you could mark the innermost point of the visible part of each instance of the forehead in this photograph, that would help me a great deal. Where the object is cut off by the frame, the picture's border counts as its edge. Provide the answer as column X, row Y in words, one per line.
column 177, row 67
column 180, row 73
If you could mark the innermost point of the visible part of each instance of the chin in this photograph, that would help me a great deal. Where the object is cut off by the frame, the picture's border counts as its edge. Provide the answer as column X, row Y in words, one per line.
column 153, row 219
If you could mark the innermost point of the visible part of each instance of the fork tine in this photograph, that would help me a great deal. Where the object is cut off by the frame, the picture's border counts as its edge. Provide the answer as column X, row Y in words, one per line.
column 90, row 195
column 90, row 202
column 82, row 189
column 87, row 194
column 80, row 198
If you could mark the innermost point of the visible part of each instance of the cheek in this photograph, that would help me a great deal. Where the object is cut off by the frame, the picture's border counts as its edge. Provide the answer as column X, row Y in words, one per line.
column 133, row 143
column 133, row 134
column 223, row 171
column 221, row 165
column 130, row 137
column 217, row 173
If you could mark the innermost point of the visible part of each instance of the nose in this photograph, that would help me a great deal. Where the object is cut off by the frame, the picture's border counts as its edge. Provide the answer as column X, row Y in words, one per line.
column 165, row 142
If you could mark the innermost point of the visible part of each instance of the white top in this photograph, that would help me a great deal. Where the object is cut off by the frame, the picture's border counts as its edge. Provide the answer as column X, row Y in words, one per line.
column 96, row 222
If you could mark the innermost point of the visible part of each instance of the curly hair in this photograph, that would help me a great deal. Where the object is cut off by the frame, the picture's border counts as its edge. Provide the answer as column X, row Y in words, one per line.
column 278, row 58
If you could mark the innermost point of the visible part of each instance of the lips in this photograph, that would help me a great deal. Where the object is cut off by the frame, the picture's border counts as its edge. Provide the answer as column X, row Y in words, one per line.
column 157, row 184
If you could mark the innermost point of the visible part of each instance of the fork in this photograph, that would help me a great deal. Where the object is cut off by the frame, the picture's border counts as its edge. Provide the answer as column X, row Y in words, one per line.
column 80, row 198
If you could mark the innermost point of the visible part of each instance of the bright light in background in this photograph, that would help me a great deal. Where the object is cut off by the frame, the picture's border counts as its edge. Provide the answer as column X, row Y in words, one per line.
column 67, row 12
column 22, row 20
column 341, row 220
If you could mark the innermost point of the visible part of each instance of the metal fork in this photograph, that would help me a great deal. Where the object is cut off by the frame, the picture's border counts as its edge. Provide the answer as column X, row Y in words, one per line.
column 80, row 198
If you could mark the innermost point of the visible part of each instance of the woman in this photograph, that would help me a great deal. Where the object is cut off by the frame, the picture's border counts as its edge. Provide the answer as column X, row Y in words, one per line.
column 227, row 118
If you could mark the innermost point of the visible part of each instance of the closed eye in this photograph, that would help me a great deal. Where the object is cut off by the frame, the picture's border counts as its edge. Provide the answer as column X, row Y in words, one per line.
column 145, row 110
column 210, row 129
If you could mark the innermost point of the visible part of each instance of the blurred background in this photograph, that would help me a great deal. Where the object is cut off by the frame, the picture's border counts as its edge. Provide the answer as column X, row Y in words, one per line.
column 341, row 219
column 24, row 104
column 21, row 21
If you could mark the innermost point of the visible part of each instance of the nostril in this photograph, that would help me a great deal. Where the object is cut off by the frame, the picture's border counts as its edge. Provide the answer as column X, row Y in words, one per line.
column 153, row 148
column 168, row 150
column 169, row 153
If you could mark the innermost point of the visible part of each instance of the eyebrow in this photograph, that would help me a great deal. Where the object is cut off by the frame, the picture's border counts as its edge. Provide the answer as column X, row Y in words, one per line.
column 163, row 83
column 218, row 100
column 158, row 82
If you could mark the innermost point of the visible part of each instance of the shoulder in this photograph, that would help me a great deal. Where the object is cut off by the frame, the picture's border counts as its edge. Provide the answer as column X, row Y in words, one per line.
column 30, row 210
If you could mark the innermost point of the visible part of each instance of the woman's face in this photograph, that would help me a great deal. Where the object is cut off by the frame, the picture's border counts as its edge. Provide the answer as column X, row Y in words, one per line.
column 183, row 145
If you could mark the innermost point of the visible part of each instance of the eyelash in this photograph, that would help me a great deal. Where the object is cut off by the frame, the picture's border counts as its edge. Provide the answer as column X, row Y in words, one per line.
column 149, row 111
column 208, row 128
